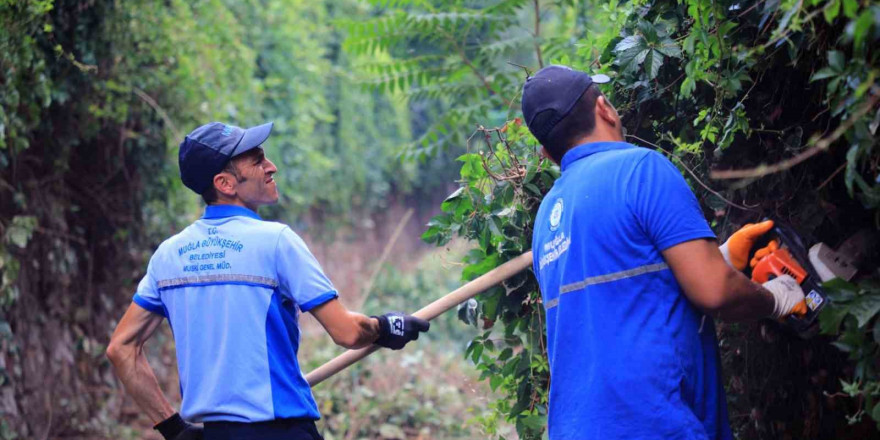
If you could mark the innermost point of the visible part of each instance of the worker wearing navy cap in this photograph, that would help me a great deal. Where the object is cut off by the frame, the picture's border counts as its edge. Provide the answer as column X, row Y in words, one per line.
column 631, row 276
column 231, row 286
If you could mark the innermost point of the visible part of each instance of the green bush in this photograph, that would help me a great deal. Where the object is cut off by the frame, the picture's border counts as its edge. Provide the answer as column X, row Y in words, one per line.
column 768, row 107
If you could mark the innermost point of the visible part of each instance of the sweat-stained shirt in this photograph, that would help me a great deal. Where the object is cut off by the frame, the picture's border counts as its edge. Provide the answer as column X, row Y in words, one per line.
column 231, row 286
column 630, row 356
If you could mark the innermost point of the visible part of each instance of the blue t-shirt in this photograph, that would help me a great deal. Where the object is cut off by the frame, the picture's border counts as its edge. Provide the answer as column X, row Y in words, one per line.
column 231, row 286
column 630, row 356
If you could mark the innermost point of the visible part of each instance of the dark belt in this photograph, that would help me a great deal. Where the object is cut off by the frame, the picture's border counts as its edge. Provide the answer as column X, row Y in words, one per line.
column 279, row 429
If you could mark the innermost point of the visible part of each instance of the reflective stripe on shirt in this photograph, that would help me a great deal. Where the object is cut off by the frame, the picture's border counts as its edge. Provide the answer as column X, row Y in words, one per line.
column 216, row 279
column 607, row 278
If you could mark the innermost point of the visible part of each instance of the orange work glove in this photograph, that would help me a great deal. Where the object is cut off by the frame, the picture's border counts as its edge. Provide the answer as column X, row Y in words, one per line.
column 763, row 252
column 800, row 308
column 736, row 249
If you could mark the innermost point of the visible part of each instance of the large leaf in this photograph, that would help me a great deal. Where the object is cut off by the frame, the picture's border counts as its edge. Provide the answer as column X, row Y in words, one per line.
column 862, row 27
column 786, row 19
column 830, row 319
column 653, row 61
column 823, row 73
column 831, row 10
column 687, row 87
column 631, row 52
column 840, row 291
column 669, row 48
column 836, row 60
column 634, row 54
column 630, row 42
column 850, row 7
column 864, row 308
column 21, row 229
column 475, row 270
column 650, row 31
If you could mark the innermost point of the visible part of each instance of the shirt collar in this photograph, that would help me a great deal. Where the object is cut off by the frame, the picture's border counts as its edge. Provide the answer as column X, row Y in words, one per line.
column 584, row 150
column 221, row 211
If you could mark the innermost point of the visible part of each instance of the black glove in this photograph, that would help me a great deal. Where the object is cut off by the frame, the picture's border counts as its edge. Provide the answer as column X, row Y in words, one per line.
column 396, row 329
column 175, row 428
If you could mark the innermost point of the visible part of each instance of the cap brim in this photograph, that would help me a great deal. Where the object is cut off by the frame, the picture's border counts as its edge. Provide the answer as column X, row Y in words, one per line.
column 253, row 138
column 600, row 78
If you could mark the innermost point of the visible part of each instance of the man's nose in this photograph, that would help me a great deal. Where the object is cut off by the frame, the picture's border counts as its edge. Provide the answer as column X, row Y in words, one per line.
column 270, row 167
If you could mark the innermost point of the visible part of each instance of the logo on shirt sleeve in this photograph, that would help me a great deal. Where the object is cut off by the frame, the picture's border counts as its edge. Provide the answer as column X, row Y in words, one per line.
column 556, row 215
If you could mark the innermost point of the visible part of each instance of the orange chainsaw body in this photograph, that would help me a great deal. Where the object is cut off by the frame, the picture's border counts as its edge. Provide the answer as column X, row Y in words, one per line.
column 779, row 262
column 790, row 258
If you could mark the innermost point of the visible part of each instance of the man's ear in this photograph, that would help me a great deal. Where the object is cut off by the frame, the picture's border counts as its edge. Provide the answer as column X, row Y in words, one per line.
column 225, row 184
column 606, row 111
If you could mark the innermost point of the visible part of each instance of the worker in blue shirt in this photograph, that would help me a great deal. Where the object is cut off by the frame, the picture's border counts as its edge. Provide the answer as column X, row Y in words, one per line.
column 231, row 286
column 631, row 277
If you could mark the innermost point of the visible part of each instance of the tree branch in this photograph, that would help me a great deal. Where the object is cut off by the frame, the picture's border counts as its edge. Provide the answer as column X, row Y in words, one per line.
column 482, row 78
column 694, row 175
column 464, row 58
column 368, row 289
column 818, row 147
column 538, row 33
column 162, row 113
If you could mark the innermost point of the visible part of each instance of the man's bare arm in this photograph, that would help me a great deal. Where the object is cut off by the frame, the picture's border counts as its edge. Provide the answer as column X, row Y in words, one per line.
column 126, row 352
column 715, row 287
column 348, row 329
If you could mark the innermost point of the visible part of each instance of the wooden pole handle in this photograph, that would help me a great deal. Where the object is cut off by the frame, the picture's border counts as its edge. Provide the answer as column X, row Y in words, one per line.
column 428, row 313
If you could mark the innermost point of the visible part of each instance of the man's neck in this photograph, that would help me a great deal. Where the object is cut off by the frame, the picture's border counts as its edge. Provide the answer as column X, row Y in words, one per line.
column 235, row 202
column 600, row 136
column 595, row 136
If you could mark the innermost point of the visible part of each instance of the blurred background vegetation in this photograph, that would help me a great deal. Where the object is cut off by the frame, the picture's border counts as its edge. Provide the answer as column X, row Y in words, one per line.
column 382, row 109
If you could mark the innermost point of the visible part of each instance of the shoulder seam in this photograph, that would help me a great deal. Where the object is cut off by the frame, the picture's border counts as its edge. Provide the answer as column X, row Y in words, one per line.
column 275, row 254
column 632, row 171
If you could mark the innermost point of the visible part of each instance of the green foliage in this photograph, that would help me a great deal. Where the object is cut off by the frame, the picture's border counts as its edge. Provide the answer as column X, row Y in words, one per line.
column 94, row 98
column 502, row 186
column 25, row 83
column 427, row 392
column 647, row 49
column 852, row 314
column 336, row 144
column 16, row 237
column 91, row 96
column 763, row 85
column 452, row 56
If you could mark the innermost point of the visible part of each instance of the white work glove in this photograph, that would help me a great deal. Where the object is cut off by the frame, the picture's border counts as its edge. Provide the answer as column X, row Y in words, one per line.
column 787, row 295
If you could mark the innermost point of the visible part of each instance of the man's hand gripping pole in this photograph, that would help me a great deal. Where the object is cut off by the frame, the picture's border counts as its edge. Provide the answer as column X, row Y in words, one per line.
column 428, row 313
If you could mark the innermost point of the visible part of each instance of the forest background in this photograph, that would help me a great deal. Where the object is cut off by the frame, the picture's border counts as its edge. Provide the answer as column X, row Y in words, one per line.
column 386, row 113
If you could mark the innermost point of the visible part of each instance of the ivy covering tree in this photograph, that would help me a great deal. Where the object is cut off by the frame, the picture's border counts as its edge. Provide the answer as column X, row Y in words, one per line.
column 95, row 96
column 770, row 109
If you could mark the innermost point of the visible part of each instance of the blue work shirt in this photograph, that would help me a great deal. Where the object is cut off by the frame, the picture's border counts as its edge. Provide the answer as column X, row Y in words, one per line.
column 630, row 356
column 231, row 286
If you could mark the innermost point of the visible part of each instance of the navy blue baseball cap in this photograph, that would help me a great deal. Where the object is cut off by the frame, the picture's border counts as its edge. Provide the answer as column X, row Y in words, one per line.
column 550, row 94
column 206, row 151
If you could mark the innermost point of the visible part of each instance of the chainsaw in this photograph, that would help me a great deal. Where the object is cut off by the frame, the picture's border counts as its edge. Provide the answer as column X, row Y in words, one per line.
column 789, row 256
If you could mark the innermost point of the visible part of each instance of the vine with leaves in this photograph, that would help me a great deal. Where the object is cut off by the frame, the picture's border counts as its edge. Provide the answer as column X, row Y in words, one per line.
column 770, row 108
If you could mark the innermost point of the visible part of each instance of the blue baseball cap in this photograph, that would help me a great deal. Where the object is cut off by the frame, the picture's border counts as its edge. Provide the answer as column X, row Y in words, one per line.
column 550, row 94
column 206, row 151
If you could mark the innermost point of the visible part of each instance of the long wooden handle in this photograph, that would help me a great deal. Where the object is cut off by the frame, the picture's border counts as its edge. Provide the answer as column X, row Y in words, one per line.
column 428, row 312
